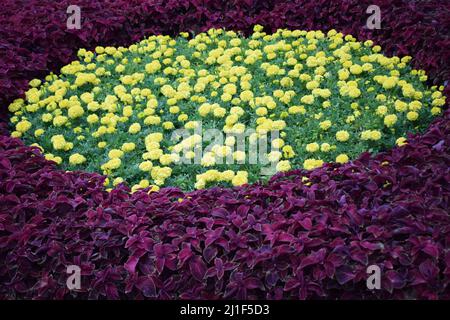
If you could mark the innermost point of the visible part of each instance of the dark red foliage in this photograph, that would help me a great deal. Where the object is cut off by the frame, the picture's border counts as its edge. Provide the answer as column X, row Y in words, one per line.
column 286, row 239
column 282, row 240
column 34, row 38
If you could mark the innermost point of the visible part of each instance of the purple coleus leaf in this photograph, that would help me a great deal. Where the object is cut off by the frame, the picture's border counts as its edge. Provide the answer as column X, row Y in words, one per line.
column 147, row 286
column 313, row 258
column 198, row 268
column 431, row 249
column 429, row 269
column 131, row 263
column 165, row 256
column 344, row 274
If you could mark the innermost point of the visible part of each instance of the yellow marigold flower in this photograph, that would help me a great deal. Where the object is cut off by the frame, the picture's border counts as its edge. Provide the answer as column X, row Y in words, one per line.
column 75, row 112
column 87, row 97
column 326, row 104
column 412, row 116
column 39, row 132
column 166, row 159
column 200, row 184
column 227, row 175
column 239, row 156
column 77, row 159
column 390, row 82
column 283, row 166
column 354, row 92
column 154, row 137
column 23, row 126
column 325, row 147
column 438, row 102
column 230, row 141
column 113, row 163
column 375, row 135
column 51, row 157
column 144, row 183
column 134, row 128
column 35, row 83
column 356, row 69
column 272, row 70
column 101, row 144
column 127, row 111
column 286, row 82
column 128, row 147
column 343, row 74
column 246, row 95
column 277, row 143
column 325, row 125
column 366, row 135
column 258, row 28
column 390, row 120
column 219, row 112
column 204, row 109
column 435, row 111
column 135, row 188
column 278, row 125
column 261, row 111
column 152, row 120
column 297, row 109
column 117, row 181
column 226, row 97
column 371, row 135
column 232, row 119
column 312, row 85
column 153, row 66
column 274, row 156
column 400, row 106
column 208, row 159
column 115, row 153
column 59, row 143
column 154, row 154
column 99, row 49
column 401, row 141
column 168, row 125
column 381, row 110
column 92, row 118
column 47, row 117
column 146, row 166
column 288, row 152
column 380, row 97
column 342, row 158
column 310, row 164
column 436, row 95
column 376, row 48
column 312, row 147
column 93, row 106
column 308, row 99
column 38, row 146
column 415, row 105
column 240, row 178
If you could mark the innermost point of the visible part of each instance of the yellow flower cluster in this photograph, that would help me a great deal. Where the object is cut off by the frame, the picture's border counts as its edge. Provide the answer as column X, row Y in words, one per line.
column 235, row 178
column 76, row 159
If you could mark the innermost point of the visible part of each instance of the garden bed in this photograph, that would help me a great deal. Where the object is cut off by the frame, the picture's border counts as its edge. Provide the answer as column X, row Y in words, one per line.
column 305, row 234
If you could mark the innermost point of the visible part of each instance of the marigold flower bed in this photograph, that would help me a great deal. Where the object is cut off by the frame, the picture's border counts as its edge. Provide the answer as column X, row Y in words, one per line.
column 390, row 209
